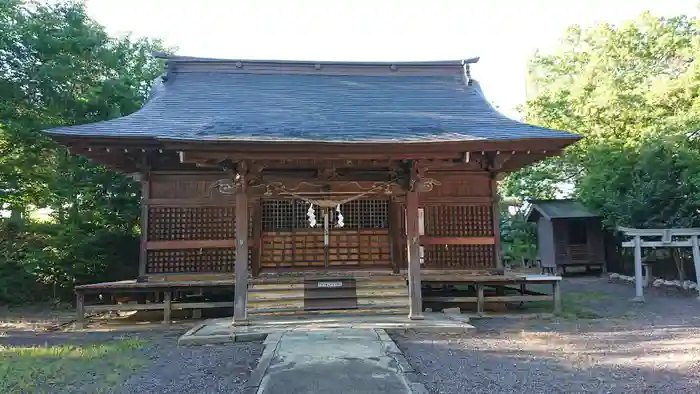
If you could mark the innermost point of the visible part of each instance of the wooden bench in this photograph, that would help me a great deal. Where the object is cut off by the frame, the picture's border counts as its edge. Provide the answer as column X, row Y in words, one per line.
column 136, row 288
column 500, row 280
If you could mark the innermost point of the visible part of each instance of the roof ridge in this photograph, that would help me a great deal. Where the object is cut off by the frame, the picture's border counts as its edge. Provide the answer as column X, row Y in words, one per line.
column 184, row 64
column 197, row 59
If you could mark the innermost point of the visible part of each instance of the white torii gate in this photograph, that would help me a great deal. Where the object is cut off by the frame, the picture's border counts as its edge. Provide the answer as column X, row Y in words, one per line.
column 667, row 241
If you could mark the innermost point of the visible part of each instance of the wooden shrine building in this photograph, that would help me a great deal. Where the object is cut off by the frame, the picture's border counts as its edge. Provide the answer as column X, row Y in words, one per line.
column 294, row 173
column 568, row 235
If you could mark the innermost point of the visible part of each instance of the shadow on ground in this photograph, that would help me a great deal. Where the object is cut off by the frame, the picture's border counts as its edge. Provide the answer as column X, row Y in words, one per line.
column 649, row 348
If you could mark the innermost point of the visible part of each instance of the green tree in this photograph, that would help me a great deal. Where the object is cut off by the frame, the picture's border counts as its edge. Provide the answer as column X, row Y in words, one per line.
column 58, row 67
column 518, row 237
column 633, row 91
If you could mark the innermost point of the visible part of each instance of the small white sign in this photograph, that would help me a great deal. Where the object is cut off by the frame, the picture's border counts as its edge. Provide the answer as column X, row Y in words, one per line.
column 330, row 284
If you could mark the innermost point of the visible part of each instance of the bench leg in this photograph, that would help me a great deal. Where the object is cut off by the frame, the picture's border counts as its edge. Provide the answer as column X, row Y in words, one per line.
column 480, row 299
column 556, row 293
column 167, row 301
column 80, row 311
column 197, row 313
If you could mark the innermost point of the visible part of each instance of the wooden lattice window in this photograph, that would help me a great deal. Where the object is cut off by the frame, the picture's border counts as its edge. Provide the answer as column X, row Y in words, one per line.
column 284, row 215
column 287, row 215
column 459, row 221
column 196, row 223
column 191, row 260
column 207, row 260
column 458, row 256
column 364, row 214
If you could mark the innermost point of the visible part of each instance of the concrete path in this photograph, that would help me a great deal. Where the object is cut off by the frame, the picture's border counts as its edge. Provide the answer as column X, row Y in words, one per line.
column 338, row 361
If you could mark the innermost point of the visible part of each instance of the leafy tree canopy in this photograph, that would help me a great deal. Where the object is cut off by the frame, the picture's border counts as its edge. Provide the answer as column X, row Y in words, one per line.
column 633, row 92
column 58, row 67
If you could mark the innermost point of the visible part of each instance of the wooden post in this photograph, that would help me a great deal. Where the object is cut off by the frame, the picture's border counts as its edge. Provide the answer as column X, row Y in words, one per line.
column 257, row 239
column 168, row 306
column 638, row 290
column 480, row 298
column 197, row 313
column 145, row 195
column 556, row 294
column 696, row 261
column 240, row 303
column 496, row 215
column 395, row 235
column 415, row 296
column 80, row 311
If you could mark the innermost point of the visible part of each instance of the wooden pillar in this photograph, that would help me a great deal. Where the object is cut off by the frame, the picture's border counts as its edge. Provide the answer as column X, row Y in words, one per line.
column 80, row 311
column 496, row 222
column 395, row 236
column 696, row 261
column 638, row 290
column 415, row 296
column 240, row 302
column 256, row 257
column 145, row 195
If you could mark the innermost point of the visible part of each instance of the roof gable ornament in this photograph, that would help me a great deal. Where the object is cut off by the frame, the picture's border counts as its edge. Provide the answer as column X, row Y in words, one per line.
column 467, row 73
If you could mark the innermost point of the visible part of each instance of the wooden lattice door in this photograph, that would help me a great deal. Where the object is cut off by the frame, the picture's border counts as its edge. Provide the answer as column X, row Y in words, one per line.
column 288, row 241
column 363, row 242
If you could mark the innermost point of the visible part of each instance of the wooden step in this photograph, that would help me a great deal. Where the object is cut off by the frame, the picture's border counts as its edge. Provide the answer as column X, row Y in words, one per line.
column 304, row 294
column 327, row 277
column 379, row 310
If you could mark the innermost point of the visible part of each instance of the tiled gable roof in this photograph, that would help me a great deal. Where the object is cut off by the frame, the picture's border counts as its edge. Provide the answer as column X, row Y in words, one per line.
column 214, row 100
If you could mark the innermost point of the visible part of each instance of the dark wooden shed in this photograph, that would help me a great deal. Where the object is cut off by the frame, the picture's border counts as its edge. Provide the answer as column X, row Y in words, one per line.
column 568, row 234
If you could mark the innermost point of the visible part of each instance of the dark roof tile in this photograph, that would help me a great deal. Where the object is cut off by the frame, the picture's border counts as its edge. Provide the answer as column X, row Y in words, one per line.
column 558, row 209
column 210, row 99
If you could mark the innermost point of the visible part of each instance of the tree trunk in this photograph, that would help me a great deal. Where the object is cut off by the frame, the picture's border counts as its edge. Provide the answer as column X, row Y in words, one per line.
column 16, row 215
column 678, row 260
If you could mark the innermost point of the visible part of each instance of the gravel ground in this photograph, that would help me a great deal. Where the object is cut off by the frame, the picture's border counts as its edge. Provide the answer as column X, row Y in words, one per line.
column 633, row 348
column 170, row 369
column 197, row 369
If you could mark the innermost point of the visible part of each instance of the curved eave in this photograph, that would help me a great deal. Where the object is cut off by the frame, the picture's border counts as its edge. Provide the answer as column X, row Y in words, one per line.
column 358, row 111
column 519, row 144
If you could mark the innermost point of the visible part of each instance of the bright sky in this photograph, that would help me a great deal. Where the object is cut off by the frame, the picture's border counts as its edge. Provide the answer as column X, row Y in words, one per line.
column 504, row 33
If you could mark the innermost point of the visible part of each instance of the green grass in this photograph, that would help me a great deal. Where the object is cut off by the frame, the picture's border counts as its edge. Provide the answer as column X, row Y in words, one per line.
column 67, row 368
column 573, row 305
